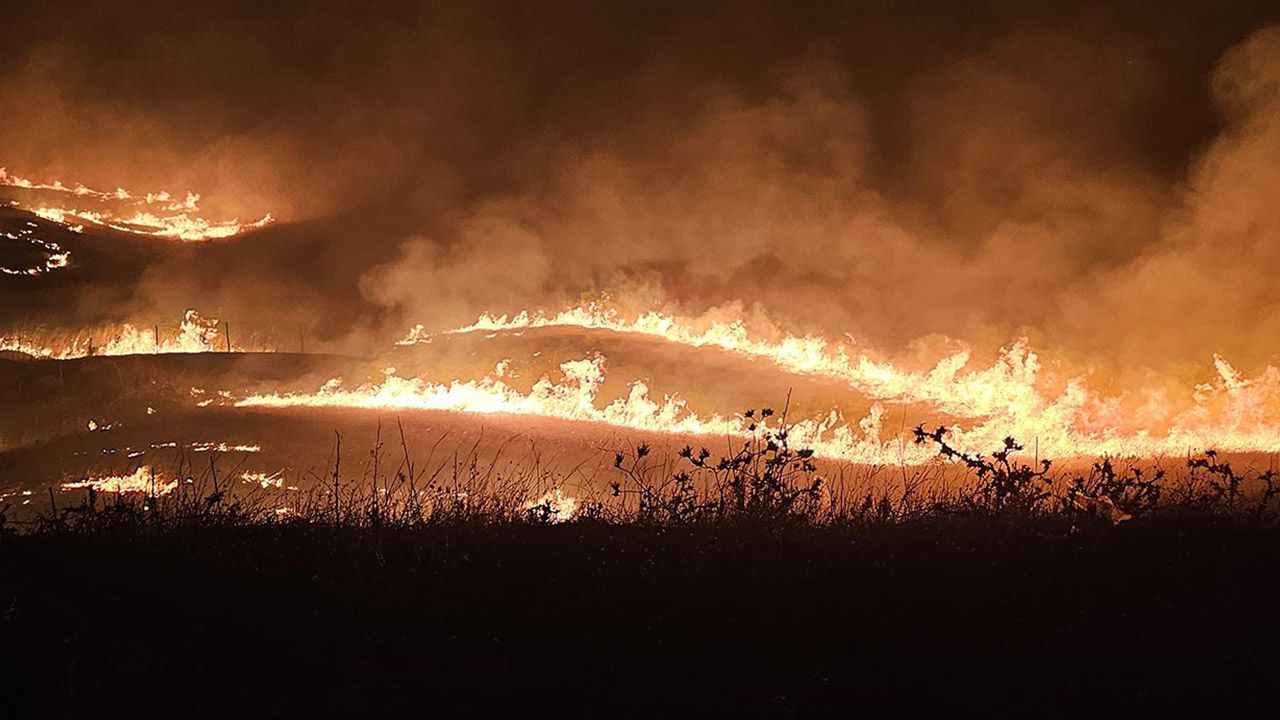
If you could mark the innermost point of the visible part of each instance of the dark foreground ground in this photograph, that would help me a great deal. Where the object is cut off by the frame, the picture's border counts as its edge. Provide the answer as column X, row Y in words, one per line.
column 588, row 620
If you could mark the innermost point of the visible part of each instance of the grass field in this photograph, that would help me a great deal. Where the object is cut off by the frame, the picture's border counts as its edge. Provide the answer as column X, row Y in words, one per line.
column 734, row 587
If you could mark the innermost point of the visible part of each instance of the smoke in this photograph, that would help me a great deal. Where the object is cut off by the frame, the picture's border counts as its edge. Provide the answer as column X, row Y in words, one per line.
column 1208, row 283
column 1100, row 180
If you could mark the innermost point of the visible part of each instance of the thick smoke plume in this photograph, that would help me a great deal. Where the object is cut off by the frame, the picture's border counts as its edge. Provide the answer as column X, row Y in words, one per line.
column 1100, row 180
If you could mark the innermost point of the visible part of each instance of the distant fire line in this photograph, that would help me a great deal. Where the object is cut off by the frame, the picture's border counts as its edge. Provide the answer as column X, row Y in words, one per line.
column 1229, row 412
column 155, row 214
column 196, row 334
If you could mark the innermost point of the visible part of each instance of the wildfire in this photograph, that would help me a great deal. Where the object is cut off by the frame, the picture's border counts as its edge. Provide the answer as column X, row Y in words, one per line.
column 572, row 399
column 153, row 214
column 1229, row 412
column 264, row 480
column 554, row 504
column 142, row 480
column 196, row 334
column 575, row 399
column 221, row 447
column 55, row 258
column 1006, row 386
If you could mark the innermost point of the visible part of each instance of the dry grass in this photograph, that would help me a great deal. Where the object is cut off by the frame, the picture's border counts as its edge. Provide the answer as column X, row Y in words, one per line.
column 763, row 481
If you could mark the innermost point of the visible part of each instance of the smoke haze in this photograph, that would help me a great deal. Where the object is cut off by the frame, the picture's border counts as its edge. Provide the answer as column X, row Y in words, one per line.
column 1102, row 180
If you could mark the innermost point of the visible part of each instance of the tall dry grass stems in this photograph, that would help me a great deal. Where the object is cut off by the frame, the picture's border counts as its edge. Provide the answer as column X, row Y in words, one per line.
column 762, row 481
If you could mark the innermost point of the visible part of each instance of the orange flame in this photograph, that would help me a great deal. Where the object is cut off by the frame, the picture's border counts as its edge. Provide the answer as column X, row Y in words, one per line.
column 142, row 480
column 574, row 399
column 1006, row 386
column 153, row 214
column 55, row 258
column 196, row 334
column 557, row 506
column 1228, row 412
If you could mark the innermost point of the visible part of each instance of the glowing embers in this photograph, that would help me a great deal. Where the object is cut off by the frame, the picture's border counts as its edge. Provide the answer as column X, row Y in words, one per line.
column 264, row 480
column 221, row 447
column 34, row 256
column 206, row 446
column 154, row 214
column 195, row 334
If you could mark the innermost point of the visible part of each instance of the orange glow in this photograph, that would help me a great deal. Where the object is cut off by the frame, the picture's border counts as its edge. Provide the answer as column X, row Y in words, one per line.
column 141, row 480
column 1005, row 386
column 557, row 506
column 153, row 214
column 55, row 257
column 1227, row 412
column 196, row 334
column 574, row 399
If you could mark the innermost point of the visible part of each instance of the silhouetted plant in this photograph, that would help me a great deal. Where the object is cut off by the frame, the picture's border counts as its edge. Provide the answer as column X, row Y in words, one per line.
column 761, row 478
column 1118, row 496
column 764, row 477
column 668, row 499
column 1003, row 484
column 1224, row 483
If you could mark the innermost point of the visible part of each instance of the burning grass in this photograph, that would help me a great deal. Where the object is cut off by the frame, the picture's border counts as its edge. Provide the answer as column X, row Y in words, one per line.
column 1018, row 391
column 763, row 480
column 153, row 214
column 194, row 334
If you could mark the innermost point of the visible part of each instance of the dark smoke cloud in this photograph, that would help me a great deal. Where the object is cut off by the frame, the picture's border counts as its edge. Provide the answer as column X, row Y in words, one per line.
column 1096, row 177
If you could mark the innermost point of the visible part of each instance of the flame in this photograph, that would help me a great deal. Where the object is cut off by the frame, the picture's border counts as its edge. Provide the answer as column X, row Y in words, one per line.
column 557, row 506
column 1230, row 412
column 142, row 480
column 264, row 480
column 152, row 214
column 574, row 399
column 55, row 258
column 1007, row 386
column 221, row 447
column 196, row 334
